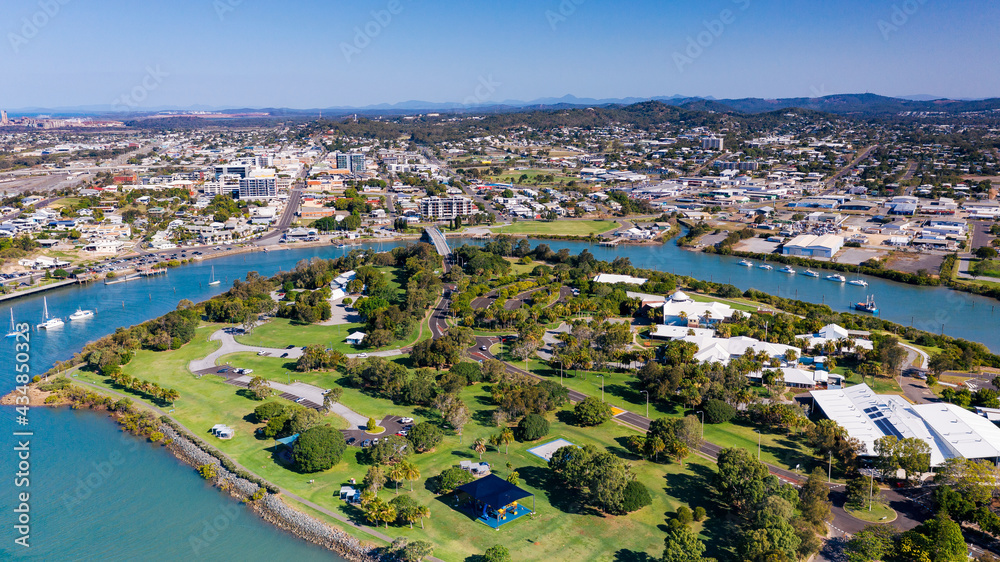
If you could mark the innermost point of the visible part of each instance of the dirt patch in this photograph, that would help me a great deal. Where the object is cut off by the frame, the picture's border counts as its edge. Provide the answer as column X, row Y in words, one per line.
column 35, row 398
column 912, row 263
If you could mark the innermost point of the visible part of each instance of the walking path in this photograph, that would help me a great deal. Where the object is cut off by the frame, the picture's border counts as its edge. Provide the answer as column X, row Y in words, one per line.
column 231, row 346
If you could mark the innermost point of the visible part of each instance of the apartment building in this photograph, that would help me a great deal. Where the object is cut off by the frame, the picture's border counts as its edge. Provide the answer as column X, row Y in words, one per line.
column 446, row 207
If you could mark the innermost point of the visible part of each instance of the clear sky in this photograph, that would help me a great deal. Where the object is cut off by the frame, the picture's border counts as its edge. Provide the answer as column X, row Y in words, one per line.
column 310, row 54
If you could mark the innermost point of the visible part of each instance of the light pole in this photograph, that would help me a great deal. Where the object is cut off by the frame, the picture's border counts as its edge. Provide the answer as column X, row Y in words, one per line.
column 758, row 443
column 871, row 489
column 702, row 412
column 602, row 387
column 829, row 469
column 646, row 392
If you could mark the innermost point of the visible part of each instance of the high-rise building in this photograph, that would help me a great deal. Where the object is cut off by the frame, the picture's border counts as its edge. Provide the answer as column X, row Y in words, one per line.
column 258, row 188
column 446, row 207
column 4, row 121
column 354, row 162
column 711, row 143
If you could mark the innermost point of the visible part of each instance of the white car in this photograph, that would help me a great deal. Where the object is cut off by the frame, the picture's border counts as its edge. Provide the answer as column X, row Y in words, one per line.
column 363, row 356
column 406, row 420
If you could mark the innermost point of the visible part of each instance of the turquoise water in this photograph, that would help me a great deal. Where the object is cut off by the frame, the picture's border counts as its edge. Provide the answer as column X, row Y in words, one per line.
column 100, row 494
column 150, row 506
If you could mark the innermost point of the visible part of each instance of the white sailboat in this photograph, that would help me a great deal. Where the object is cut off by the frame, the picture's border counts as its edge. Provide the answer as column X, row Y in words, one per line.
column 13, row 331
column 49, row 323
column 859, row 282
column 81, row 314
column 213, row 281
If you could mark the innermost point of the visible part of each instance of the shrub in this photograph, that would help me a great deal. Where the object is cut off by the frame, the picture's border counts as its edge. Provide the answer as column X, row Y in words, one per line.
column 591, row 412
column 684, row 515
column 699, row 513
column 207, row 471
column 424, row 436
column 371, row 425
column 497, row 553
column 717, row 411
column 532, row 427
column 635, row 497
column 319, row 448
column 268, row 410
column 452, row 478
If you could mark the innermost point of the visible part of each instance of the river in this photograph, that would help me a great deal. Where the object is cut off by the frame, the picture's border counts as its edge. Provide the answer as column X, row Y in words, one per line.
column 150, row 506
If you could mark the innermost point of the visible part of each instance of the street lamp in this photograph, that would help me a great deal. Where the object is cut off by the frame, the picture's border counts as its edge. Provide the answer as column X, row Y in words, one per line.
column 602, row 387
column 702, row 412
column 646, row 392
column 758, row 443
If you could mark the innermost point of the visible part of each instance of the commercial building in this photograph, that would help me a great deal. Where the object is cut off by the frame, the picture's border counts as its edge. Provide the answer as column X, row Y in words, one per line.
column 446, row 207
column 950, row 431
column 811, row 246
column 682, row 310
column 354, row 162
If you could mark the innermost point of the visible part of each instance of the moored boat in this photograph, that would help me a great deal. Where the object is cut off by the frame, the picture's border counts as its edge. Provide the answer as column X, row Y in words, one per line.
column 836, row 277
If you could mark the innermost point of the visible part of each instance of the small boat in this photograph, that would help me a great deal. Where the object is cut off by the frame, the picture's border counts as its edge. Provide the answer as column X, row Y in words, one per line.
column 858, row 282
column 746, row 263
column 810, row 273
column 787, row 269
column 765, row 266
column 836, row 277
column 213, row 281
column 81, row 314
column 13, row 330
column 49, row 323
column 867, row 306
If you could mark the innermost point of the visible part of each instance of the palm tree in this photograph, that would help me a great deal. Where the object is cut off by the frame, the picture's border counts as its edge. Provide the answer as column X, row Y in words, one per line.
column 480, row 447
column 410, row 472
column 506, row 437
column 422, row 512
column 396, row 473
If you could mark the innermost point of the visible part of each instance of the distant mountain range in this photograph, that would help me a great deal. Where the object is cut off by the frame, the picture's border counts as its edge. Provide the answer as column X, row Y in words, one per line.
column 841, row 104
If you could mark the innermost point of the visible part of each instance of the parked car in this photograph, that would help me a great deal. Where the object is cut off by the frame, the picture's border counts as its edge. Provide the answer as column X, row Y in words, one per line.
column 406, row 420
column 366, row 443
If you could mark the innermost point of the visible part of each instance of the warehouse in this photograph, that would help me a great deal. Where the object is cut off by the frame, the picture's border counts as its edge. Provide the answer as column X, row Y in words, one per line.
column 811, row 246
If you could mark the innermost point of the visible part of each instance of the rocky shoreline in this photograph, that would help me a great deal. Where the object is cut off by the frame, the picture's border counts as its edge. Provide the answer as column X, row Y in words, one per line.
column 271, row 507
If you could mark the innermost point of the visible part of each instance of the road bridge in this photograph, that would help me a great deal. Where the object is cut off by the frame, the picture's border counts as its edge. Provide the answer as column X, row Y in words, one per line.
column 435, row 237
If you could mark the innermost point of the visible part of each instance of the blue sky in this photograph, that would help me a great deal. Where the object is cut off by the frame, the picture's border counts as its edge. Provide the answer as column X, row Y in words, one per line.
column 307, row 54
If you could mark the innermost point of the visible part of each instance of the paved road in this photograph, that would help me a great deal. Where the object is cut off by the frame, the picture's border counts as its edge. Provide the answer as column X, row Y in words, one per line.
column 846, row 169
column 292, row 207
column 980, row 234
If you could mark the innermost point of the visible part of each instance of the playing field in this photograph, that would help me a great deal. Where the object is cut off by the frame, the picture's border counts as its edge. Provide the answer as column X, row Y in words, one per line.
column 560, row 228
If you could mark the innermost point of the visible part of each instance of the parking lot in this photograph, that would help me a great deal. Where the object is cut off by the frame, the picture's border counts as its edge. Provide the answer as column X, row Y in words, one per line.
column 393, row 425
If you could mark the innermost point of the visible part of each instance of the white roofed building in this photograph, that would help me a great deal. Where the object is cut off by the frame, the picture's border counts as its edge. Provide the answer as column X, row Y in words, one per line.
column 613, row 279
column 682, row 310
column 949, row 430
column 835, row 333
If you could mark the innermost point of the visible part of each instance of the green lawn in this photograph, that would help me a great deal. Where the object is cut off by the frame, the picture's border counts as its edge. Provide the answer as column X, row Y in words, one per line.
column 986, row 268
column 561, row 228
column 879, row 513
column 562, row 529
column 881, row 385
column 281, row 332
column 741, row 304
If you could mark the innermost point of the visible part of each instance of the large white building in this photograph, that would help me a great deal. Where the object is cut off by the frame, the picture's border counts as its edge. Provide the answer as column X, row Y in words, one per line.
column 838, row 334
column 950, row 430
column 613, row 279
column 810, row 246
column 446, row 207
column 682, row 310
